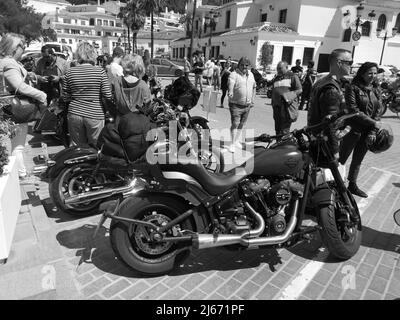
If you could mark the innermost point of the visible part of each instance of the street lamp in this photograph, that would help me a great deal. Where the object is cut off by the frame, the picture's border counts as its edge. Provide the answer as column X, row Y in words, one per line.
column 211, row 21
column 357, row 35
column 385, row 37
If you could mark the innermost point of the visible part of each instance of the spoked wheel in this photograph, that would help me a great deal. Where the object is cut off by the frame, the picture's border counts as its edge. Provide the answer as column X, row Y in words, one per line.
column 341, row 236
column 73, row 181
column 137, row 246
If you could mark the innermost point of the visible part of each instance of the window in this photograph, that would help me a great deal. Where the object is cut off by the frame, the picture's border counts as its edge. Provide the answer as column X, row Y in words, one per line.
column 287, row 54
column 67, row 20
column 91, row 22
column 282, row 16
column 108, row 34
column 105, row 22
column 308, row 55
column 264, row 17
column 83, row 23
column 397, row 25
column 228, row 19
column 112, row 23
column 70, row 41
column 73, row 31
column 382, row 22
column 366, row 29
column 63, row 41
column 99, row 22
column 99, row 33
column 347, row 35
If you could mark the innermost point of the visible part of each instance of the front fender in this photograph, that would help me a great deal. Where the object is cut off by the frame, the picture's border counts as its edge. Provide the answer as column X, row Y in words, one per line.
column 198, row 119
column 66, row 154
column 323, row 196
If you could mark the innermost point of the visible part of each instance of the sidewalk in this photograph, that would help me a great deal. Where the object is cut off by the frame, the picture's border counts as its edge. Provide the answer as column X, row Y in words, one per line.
column 35, row 257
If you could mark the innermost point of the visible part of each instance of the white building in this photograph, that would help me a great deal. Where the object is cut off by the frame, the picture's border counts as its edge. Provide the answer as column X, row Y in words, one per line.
column 298, row 29
column 45, row 6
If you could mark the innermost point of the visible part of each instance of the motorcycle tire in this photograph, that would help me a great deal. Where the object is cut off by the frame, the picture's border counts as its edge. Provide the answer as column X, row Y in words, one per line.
column 67, row 181
column 129, row 241
column 334, row 238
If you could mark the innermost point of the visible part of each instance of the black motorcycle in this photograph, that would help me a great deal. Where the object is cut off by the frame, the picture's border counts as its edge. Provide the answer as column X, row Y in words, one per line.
column 76, row 171
column 390, row 100
column 173, row 208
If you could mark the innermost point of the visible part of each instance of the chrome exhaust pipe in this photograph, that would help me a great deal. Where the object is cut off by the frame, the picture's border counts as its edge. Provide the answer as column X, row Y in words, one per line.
column 131, row 188
column 247, row 238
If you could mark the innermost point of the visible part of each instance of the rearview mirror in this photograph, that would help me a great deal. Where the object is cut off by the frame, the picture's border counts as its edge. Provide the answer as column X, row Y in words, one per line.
column 396, row 217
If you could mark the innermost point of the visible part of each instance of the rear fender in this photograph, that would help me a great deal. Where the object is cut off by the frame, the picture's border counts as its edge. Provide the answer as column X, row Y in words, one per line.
column 323, row 197
column 67, row 154
column 200, row 120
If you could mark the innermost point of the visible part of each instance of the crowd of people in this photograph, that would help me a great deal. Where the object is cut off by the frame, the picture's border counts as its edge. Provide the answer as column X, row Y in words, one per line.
column 120, row 86
column 90, row 88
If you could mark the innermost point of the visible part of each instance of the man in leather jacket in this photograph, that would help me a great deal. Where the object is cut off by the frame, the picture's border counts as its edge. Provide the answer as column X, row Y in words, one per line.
column 327, row 96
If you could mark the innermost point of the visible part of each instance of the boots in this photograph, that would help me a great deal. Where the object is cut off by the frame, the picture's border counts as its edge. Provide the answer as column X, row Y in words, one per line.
column 354, row 189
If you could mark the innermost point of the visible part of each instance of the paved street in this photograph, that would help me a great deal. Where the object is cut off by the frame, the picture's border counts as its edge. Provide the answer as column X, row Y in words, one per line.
column 85, row 268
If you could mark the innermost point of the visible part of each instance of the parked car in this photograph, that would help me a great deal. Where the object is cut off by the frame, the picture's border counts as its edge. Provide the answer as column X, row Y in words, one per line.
column 61, row 49
column 167, row 68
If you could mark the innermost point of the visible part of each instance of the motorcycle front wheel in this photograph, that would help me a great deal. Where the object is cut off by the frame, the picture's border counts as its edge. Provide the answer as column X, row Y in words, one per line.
column 133, row 245
column 72, row 181
column 342, row 238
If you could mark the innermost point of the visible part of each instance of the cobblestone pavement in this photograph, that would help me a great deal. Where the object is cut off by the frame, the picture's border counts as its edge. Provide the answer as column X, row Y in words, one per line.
column 302, row 272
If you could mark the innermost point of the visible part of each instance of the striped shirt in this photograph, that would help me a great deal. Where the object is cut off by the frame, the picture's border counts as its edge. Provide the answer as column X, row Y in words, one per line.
column 84, row 86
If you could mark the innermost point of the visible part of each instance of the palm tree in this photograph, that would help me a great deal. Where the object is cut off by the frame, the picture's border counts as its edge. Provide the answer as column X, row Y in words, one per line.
column 151, row 6
column 133, row 17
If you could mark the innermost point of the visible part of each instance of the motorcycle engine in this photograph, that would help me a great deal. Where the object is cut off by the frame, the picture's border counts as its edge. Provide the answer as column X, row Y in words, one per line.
column 273, row 201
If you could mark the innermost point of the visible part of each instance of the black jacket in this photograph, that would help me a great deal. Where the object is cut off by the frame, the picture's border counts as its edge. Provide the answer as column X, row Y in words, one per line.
column 365, row 101
column 126, row 137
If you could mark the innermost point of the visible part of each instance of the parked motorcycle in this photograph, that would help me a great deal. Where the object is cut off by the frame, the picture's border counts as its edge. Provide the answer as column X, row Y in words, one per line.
column 177, row 207
column 75, row 171
column 390, row 100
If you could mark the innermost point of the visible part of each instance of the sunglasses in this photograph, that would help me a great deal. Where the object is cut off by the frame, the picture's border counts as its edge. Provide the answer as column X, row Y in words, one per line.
column 348, row 62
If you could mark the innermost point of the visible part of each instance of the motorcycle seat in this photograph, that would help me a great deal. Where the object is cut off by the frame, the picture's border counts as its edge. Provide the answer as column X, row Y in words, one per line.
column 212, row 183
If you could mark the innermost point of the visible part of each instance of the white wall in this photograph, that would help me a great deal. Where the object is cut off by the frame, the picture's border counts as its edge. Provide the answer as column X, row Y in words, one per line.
column 44, row 7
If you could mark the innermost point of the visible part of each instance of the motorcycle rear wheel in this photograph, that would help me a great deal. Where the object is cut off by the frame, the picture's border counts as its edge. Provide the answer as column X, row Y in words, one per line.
column 341, row 239
column 130, row 243
column 69, row 182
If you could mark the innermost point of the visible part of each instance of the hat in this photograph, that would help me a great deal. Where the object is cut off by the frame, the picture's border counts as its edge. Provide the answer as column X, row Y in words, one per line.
column 118, row 52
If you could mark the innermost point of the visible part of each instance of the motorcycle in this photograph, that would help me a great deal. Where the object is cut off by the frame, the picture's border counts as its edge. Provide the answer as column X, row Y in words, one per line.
column 75, row 171
column 174, row 208
column 390, row 100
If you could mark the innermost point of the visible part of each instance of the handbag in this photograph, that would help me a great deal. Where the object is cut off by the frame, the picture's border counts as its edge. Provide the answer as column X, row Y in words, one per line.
column 18, row 109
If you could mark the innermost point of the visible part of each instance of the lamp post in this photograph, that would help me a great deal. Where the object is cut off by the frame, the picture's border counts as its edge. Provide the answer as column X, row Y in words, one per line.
column 211, row 21
column 360, row 9
column 385, row 37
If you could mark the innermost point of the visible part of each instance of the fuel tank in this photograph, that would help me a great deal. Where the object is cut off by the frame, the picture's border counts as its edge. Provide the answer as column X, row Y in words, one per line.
column 281, row 160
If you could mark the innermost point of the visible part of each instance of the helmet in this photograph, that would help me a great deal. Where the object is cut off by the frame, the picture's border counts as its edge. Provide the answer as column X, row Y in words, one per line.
column 383, row 140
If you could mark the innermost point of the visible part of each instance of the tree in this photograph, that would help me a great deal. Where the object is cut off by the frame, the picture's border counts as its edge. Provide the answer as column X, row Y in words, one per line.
column 266, row 55
column 151, row 6
column 49, row 35
column 18, row 18
column 133, row 17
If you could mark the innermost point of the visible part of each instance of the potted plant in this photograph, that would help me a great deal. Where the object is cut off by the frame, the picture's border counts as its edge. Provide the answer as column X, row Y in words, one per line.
column 10, row 194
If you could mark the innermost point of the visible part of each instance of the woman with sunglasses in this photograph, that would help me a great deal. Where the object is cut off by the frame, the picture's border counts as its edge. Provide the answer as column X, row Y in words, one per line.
column 361, row 96
column 16, row 79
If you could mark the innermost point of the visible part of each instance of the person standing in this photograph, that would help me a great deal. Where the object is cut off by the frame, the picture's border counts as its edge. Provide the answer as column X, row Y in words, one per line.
column 187, row 67
column 84, row 87
column 285, row 92
column 16, row 79
column 198, row 68
column 242, row 90
column 50, row 71
column 308, row 82
column 363, row 98
column 224, row 83
column 327, row 97
column 298, row 69
column 217, row 76
column 209, row 70
column 115, row 68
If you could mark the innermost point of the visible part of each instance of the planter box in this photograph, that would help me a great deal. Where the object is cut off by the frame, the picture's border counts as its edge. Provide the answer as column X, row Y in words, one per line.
column 10, row 204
